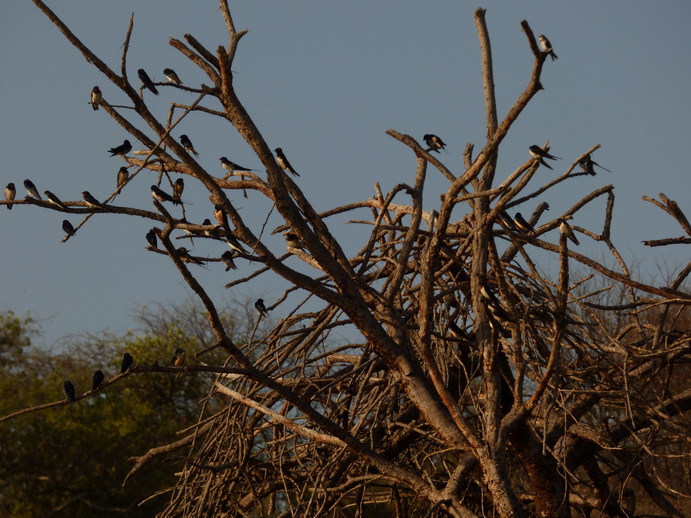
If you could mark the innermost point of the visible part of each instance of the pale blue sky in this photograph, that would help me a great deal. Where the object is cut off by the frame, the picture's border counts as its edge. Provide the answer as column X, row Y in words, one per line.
column 325, row 80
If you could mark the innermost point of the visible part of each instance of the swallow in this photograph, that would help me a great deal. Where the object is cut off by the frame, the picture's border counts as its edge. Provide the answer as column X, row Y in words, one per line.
column 55, row 200
column 433, row 142
column 162, row 196
column 31, row 189
column 123, row 149
column 95, row 97
column 187, row 144
column 179, row 358
column 127, row 362
column 227, row 258
column 68, row 389
column 178, row 187
column 171, row 76
column 68, row 228
column 493, row 305
column 185, row 257
column 522, row 224
column 222, row 218
column 152, row 239
column 232, row 166
column 91, row 201
column 212, row 232
column 547, row 46
column 566, row 229
column 292, row 240
column 123, row 176
column 283, row 161
column 146, row 81
column 507, row 220
column 97, row 379
column 540, row 154
column 259, row 306
column 10, row 193
column 587, row 164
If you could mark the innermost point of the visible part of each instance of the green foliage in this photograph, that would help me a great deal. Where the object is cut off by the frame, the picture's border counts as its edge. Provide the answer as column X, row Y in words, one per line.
column 71, row 460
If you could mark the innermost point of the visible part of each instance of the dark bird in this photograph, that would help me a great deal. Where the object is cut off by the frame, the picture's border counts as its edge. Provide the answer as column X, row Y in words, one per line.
column 185, row 257
column 433, row 142
column 292, row 240
column 127, row 362
column 172, row 76
column 259, row 306
column 123, row 149
column 493, row 304
column 55, row 200
column 146, row 80
column 187, row 144
column 283, row 161
column 178, row 187
column 10, row 193
column 540, row 154
column 234, row 244
column 179, row 358
column 587, row 164
column 212, row 232
column 123, row 176
column 97, row 379
column 227, row 258
column 547, row 46
column 95, row 97
column 162, row 196
column 31, row 189
column 68, row 389
column 507, row 220
column 152, row 239
column 91, row 201
column 566, row 229
column 68, row 228
column 522, row 224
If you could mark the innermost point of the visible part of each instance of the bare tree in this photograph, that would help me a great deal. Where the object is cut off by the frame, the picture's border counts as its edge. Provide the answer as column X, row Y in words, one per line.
column 479, row 386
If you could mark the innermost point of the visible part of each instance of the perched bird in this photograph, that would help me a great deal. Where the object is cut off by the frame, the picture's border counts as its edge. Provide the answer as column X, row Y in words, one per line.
column 185, row 257
column 522, row 224
column 31, row 189
column 227, row 258
column 146, row 80
column 587, row 164
column 179, row 358
column 123, row 149
column 259, row 306
column 222, row 218
column 152, row 239
column 292, row 240
column 97, row 379
column 187, row 144
column 55, row 200
column 212, row 232
column 540, row 154
column 566, row 229
column 493, row 305
column 283, row 161
column 547, row 46
column 232, row 166
column 172, row 76
column 433, row 142
column 95, row 97
column 68, row 228
column 69, row 391
column 127, row 362
column 10, row 193
column 178, row 187
column 91, row 201
column 507, row 220
column 162, row 196
column 123, row 176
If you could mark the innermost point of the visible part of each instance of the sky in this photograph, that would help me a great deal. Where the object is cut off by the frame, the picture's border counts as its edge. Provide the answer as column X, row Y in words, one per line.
column 324, row 81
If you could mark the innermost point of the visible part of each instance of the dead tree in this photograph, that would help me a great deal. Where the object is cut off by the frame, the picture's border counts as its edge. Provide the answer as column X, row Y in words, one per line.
column 479, row 386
